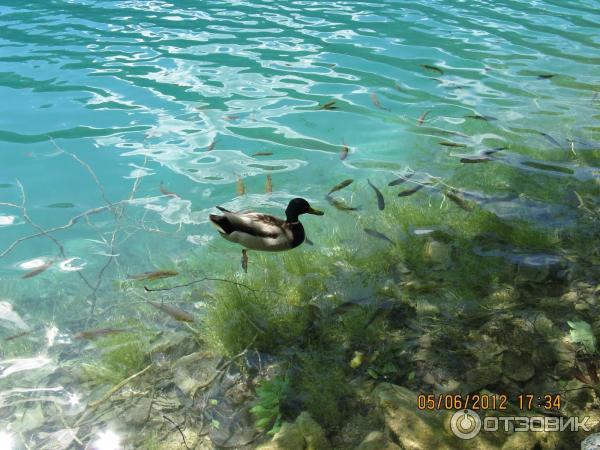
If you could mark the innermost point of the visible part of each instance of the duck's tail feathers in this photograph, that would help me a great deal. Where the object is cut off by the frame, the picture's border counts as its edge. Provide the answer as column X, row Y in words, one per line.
column 221, row 223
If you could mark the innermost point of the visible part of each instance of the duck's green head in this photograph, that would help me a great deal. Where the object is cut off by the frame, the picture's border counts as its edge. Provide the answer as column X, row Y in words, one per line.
column 299, row 206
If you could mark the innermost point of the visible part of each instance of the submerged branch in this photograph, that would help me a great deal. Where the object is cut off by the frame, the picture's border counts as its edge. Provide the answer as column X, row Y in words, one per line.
column 147, row 289
column 180, row 432
column 42, row 232
column 118, row 216
column 222, row 369
column 94, row 405
column 87, row 167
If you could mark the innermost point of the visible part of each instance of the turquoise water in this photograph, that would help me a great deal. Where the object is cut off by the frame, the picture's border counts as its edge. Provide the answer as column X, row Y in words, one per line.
column 105, row 101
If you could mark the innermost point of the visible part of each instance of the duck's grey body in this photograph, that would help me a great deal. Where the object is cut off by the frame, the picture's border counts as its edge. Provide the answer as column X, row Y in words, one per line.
column 263, row 232
column 257, row 231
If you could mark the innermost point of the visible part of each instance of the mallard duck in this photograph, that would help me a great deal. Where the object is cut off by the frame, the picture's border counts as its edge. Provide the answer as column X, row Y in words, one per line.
column 263, row 232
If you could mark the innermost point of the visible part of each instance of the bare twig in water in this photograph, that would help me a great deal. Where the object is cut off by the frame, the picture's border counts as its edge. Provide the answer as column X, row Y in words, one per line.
column 34, row 225
column 118, row 216
column 94, row 405
column 24, row 441
column 64, row 422
column 180, row 432
column 42, row 231
column 222, row 369
column 147, row 289
column 69, row 224
column 87, row 167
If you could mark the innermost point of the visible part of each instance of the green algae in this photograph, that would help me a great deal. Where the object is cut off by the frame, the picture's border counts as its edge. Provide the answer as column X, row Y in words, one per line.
column 117, row 357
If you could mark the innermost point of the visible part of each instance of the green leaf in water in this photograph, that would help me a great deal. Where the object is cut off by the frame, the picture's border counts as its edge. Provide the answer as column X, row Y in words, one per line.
column 581, row 332
column 372, row 373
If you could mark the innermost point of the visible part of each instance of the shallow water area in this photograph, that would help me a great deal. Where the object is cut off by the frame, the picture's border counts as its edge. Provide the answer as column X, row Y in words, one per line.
column 462, row 258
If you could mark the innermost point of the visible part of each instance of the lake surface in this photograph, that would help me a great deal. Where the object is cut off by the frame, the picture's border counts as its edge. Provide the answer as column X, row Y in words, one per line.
column 124, row 123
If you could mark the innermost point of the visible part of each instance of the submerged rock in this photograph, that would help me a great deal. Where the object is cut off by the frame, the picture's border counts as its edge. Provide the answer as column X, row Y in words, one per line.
column 303, row 434
column 194, row 371
column 415, row 429
column 377, row 441
column 517, row 367
column 532, row 441
column 482, row 376
column 289, row 437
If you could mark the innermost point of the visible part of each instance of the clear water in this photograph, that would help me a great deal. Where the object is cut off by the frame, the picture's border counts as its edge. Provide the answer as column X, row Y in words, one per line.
column 102, row 101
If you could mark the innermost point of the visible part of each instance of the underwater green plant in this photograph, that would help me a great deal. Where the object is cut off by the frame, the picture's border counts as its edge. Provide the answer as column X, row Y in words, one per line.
column 267, row 411
column 119, row 355
column 581, row 333
column 320, row 384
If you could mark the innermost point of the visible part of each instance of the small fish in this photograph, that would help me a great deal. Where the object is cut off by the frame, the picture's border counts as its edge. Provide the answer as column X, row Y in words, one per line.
column 176, row 313
column 451, row 144
column 18, row 335
column 245, row 260
column 458, row 200
column 340, row 186
column 408, row 192
column 475, row 159
column 38, row 270
column 328, row 106
column 339, row 204
column 239, row 186
column 376, row 102
column 550, row 167
column 480, row 117
column 93, row 334
column 422, row 117
column 546, row 76
column 491, row 151
column 212, row 144
column 378, row 235
column 164, row 191
column 154, row 275
column 401, row 180
column 269, row 185
column 231, row 117
column 5, row 185
column 61, row 205
column 346, row 307
column 432, row 68
column 308, row 241
column 344, row 152
column 263, row 154
column 380, row 200
column 551, row 139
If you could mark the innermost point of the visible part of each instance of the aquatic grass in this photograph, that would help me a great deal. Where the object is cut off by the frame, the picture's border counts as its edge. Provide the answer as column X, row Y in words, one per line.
column 118, row 356
column 270, row 395
column 18, row 348
column 269, row 315
column 321, row 385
